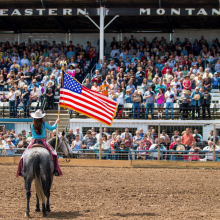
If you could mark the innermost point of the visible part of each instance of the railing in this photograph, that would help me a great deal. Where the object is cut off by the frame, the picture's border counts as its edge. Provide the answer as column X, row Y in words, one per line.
column 89, row 75
column 133, row 113
column 110, row 154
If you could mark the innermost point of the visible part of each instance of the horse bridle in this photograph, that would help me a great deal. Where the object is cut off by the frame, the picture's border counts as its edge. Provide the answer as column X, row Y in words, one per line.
column 62, row 143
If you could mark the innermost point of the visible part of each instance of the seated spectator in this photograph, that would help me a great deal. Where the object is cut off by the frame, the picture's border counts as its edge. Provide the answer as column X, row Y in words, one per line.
column 87, row 84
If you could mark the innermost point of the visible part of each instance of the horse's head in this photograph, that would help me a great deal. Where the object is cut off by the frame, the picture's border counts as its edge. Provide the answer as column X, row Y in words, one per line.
column 63, row 145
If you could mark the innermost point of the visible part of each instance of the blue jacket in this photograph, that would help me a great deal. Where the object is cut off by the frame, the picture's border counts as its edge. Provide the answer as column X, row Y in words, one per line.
column 193, row 102
column 128, row 99
column 44, row 126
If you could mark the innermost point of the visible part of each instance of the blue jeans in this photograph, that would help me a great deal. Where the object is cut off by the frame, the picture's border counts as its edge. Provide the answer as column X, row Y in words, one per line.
column 26, row 107
column 41, row 100
column 169, row 105
column 2, row 89
column 149, row 107
column 215, row 86
column 12, row 108
column 136, row 106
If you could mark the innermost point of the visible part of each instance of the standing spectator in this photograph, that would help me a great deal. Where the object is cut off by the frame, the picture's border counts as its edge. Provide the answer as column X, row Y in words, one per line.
column 185, row 100
column 79, row 133
column 120, row 100
column 160, row 86
column 87, row 84
column 205, row 103
column 25, row 100
column 187, row 139
column 170, row 97
column 160, row 102
column 197, row 136
column 104, row 71
column 128, row 96
column 216, row 81
column 187, row 83
column 195, row 103
column 126, row 131
column 70, row 136
column 12, row 102
column 194, row 153
column 104, row 88
column 128, row 141
column 136, row 99
column 95, row 87
column 50, row 95
column 217, row 66
column 34, row 96
column 207, row 81
column 9, row 147
column 42, row 91
column 150, row 100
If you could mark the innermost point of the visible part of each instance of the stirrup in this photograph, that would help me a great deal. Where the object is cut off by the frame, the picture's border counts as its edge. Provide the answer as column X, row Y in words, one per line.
column 56, row 173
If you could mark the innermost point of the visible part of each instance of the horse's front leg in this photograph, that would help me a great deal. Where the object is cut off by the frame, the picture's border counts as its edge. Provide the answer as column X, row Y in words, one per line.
column 37, row 209
column 28, row 196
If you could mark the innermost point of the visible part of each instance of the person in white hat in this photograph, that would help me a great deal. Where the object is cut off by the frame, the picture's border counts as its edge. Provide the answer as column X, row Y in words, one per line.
column 38, row 129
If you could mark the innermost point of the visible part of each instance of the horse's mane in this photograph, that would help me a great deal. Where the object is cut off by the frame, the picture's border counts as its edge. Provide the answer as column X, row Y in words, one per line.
column 52, row 142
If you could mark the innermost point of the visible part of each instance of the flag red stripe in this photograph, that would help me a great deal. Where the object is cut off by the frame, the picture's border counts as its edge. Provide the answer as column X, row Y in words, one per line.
column 100, row 105
column 107, row 99
column 85, row 112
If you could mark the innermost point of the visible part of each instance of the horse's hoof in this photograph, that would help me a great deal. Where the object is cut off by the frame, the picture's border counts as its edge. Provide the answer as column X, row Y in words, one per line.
column 27, row 215
column 45, row 215
column 48, row 210
column 37, row 210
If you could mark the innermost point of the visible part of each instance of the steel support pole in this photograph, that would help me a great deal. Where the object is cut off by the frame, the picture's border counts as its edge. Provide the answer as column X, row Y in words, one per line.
column 214, row 135
column 101, row 33
column 158, row 149
column 100, row 142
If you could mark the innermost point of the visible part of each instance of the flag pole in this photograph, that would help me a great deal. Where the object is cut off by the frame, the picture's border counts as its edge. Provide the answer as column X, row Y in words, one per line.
column 100, row 142
column 57, row 126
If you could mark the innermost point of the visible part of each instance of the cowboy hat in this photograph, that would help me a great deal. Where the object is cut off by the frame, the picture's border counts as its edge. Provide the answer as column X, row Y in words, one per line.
column 38, row 114
column 196, row 97
column 180, row 148
column 185, row 91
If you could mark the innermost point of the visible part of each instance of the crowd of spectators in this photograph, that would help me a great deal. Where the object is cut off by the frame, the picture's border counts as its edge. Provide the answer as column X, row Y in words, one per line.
column 31, row 72
column 117, row 145
column 138, row 72
column 144, row 73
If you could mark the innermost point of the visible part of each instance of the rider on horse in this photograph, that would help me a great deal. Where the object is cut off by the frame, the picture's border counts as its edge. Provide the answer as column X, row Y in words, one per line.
column 38, row 129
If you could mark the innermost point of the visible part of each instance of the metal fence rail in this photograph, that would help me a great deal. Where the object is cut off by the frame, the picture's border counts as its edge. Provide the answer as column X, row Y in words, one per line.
column 129, row 113
column 110, row 154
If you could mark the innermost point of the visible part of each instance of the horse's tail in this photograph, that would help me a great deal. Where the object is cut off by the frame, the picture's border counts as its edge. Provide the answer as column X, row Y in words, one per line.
column 38, row 182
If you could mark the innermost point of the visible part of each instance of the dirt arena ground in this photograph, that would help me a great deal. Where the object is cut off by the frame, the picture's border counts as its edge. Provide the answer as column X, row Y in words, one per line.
column 118, row 193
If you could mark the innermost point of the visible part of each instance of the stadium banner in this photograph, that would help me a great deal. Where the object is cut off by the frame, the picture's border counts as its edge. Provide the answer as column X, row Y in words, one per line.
column 111, row 11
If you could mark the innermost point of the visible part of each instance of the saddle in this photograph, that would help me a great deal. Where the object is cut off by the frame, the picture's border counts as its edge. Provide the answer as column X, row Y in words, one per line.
column 41, row 145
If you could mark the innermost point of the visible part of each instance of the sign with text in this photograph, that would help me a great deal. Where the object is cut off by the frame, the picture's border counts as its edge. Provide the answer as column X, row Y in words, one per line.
column 111, row 11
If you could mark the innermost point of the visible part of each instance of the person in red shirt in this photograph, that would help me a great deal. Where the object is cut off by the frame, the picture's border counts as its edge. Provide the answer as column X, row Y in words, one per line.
column 186, row 58
column 175, row 142
column 164, row 70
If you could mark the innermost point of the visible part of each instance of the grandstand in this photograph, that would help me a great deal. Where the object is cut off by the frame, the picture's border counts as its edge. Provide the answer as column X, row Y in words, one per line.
column 158, row 60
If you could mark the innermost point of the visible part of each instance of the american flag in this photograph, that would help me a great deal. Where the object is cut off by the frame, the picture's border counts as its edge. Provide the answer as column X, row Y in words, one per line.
column 77, row 97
